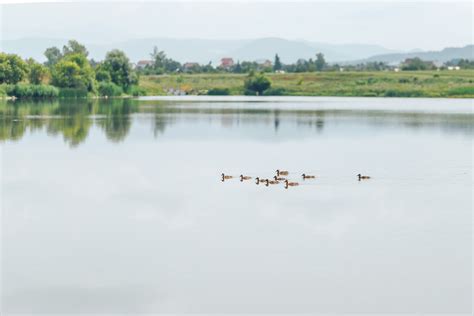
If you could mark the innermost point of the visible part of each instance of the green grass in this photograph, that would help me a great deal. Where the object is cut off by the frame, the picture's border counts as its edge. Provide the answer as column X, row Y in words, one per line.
column 382, row 84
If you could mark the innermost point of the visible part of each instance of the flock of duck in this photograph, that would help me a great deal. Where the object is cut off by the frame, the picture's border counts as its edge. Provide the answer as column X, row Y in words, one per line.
column 280, row 177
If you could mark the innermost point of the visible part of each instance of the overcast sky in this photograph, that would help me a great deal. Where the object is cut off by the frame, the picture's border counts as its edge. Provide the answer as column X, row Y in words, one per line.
column 394, row 24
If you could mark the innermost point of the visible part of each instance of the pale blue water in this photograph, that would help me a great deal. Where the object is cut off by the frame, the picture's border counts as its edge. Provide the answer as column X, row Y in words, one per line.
column 117, row 206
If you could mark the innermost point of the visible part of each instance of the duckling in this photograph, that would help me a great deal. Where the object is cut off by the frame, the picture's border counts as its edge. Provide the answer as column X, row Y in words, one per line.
column 361, row 177
column 291, row 184
column 242, row 178
column 282, row 172
column 224, row 177
column 278, row 179
column 267, row 182
column 306, row 176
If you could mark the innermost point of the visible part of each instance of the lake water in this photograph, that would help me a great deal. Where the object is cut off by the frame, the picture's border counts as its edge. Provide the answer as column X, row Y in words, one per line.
column 118, row 206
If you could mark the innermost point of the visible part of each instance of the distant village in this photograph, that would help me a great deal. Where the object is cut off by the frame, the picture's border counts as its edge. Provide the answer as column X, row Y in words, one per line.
column 228, row 64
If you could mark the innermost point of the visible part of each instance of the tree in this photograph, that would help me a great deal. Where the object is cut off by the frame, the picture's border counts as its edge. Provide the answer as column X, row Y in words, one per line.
column 53, row 55
column 256, row 84
column 277, row 63
column 320, row 62
column 162, row 63
column 74, row 71
column 13, row 69
column 117, row 64
column 237, row 68
column 416, row 64
column 74, row 47
column 37, row 72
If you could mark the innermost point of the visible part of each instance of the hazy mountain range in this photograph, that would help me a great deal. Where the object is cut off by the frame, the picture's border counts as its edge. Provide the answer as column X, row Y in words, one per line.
column 203, row 50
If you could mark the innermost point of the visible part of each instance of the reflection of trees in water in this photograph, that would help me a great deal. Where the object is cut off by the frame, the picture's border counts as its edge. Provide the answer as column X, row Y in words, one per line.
column 115, row 118
column 276, row 119
column 73, row 119
column 70, row 118
column 159, row 125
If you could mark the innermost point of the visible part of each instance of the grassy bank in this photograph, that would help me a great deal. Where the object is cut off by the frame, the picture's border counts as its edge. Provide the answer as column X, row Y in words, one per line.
column 383, row 84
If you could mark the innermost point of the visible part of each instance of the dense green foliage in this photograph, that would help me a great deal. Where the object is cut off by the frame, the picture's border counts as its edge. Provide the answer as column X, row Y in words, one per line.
column 109, row 89
column 74, row 71
column 22, row 90
column 117, row 65
column 37, row 72
column 12, row 68
column 218, row 91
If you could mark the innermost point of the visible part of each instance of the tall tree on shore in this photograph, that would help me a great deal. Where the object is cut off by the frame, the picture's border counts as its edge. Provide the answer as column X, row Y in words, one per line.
column 74, row 71
column 53, row 55
column 74, row 47
column 12, row 68
column 37, row 72
column 320, row 62
column 277, row 63
column 117, row 65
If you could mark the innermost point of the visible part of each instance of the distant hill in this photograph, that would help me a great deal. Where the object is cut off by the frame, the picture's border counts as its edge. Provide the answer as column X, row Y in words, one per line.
column 291, row 50
column 447, row 54
column 203, row 50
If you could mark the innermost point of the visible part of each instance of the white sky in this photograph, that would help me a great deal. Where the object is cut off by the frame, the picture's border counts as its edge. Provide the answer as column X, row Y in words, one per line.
column 393, row 24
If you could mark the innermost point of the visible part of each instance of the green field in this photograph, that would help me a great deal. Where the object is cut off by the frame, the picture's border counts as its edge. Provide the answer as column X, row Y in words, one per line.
column 446, row 83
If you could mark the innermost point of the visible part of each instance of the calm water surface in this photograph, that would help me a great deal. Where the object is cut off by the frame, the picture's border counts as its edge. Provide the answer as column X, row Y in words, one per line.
column 117, row 206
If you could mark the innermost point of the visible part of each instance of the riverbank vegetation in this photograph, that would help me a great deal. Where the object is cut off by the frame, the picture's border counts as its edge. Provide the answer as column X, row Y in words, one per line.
column 375, row 83
column 67, row 73
column 70, row 73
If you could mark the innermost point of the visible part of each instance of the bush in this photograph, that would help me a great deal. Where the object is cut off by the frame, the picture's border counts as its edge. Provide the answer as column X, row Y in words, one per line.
column 32, row 91
column 256, row 84
column 461, row 91
column 218, row 91
column 109, row 89
column 73, row 93
column 137, row 91
column 403, row 93
column 275, row 91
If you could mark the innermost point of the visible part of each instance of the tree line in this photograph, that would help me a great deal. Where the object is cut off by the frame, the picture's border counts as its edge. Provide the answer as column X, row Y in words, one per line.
column 68, row 72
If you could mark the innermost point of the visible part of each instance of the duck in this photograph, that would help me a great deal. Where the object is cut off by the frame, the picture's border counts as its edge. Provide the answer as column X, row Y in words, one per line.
column 267, row 182
column 242, row 178
column 306, row 176
column 224, row 177
column 258, row 180
column 282, row 172
column 361, row 177
column 278, row 179
column 291, row 184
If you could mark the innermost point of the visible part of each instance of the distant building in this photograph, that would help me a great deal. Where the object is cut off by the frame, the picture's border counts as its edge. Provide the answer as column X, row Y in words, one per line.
column 454, row 68
column 279, row 71
column 227, row 62
column 189, row 66
column 144, row 63
column 396, row 69
column 264, row 63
